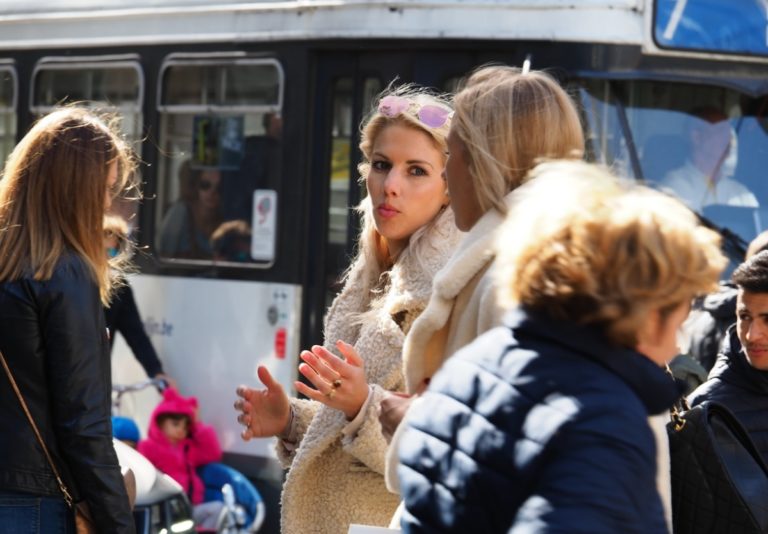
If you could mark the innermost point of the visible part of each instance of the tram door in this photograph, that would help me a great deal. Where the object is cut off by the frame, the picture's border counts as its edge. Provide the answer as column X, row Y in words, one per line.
column 347, row 88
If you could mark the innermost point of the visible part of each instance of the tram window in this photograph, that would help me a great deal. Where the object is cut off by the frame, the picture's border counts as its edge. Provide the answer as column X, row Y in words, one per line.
column 7, row 112
column 112, row 87
column 705, row 144
column 109, row 87
column 343, row 177
column 116, row 86
column 220, row 132
column 341, row 139
column 222, row 85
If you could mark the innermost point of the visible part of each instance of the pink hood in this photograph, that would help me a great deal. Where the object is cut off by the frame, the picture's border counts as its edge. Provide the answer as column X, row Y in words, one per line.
column 181, row 460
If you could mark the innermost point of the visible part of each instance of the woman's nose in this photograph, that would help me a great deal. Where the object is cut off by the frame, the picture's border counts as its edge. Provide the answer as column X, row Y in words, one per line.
column 393, row 182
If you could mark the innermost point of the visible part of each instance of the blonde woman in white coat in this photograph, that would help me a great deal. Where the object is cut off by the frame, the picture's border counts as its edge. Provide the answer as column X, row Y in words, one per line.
column 332, row 443
column 505, row 120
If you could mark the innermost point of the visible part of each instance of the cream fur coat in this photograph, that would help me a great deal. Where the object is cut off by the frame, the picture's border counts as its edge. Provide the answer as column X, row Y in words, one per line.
column 462, row 306
column 335, row 480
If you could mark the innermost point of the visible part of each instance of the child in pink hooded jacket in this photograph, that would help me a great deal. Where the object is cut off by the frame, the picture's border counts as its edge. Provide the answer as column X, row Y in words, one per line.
column 178, row 443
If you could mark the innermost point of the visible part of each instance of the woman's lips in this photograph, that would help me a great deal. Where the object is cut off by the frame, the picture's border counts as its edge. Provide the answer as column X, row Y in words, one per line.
column 386, row 211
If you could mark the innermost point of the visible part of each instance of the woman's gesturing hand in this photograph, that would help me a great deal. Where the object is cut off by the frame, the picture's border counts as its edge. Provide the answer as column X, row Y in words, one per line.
column 340, row 384
column 263, row 412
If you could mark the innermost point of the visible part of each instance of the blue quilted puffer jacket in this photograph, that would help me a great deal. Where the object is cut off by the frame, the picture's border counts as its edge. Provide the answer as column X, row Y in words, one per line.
column 741, row 388
column 537, row 426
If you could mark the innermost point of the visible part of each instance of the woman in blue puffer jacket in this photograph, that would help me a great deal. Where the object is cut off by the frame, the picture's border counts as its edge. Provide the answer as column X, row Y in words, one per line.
column 541, row 425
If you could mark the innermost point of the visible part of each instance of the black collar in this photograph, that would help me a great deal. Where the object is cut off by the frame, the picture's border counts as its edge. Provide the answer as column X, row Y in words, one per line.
column 732, row 366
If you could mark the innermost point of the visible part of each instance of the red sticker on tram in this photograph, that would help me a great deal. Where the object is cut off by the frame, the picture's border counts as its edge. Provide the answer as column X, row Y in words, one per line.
column 280, row 343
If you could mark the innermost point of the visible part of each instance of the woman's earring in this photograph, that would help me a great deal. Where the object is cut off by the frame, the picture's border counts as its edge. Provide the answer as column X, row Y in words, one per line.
column 447, row 192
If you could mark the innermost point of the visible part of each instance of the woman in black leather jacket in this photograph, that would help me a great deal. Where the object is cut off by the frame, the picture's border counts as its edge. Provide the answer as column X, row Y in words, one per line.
column 54, row 280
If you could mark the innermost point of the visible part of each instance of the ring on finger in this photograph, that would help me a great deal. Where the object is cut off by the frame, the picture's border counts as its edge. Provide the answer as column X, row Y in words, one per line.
column 336, row 383
column 331, row 392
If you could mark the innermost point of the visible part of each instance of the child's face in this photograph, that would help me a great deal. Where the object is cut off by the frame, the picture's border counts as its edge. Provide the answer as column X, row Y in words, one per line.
column 175, row 429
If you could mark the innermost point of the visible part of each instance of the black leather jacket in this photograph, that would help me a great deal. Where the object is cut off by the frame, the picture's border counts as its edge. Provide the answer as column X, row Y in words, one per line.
column 54, row 339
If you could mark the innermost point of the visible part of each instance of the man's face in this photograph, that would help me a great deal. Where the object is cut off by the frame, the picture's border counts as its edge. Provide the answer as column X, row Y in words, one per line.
column 752, row 327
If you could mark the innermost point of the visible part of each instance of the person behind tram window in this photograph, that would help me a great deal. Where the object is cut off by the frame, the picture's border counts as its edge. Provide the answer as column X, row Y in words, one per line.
column 232, row 242
column 189, row 223
column 504, row 120
column 54, row 281
column 541, row 425
column 332, row 442
column 260, row 168
column 706, row 177
column 122, row 314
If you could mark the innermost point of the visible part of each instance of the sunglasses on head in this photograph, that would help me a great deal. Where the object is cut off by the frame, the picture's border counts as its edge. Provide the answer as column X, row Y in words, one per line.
column 431, row 115
column 205, row 185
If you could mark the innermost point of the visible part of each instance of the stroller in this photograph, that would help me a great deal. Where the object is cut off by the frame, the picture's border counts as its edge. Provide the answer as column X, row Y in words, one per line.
column 161, row 504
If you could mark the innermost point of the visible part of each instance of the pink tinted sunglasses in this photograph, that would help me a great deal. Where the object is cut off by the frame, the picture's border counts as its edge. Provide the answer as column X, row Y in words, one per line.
column 431, row 115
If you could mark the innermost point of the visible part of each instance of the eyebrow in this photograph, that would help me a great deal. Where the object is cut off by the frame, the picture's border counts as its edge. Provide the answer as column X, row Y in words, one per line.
column 409, row 162
column 741, row 309
column 419, row 162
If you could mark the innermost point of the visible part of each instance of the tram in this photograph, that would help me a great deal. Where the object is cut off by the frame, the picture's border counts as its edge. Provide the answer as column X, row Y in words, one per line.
column 258, row 104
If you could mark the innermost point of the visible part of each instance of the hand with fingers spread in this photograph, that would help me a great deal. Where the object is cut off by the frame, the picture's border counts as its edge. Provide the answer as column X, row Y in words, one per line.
column 340, row 384
column 263, row 412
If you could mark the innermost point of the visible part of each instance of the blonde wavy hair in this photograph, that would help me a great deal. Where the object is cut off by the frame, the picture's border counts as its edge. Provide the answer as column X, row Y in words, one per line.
column 580, row 245
column 52, row 195
column 371, row 244
column 508, row 120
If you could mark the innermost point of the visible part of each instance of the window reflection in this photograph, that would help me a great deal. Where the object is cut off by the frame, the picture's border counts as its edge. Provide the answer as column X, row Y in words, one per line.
column 112, row 87
column 221, row 132
column 7, row 113
column 346, row 189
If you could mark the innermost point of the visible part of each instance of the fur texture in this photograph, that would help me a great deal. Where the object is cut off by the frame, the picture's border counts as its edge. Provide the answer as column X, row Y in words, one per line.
column 462, row 305
column 326, row 467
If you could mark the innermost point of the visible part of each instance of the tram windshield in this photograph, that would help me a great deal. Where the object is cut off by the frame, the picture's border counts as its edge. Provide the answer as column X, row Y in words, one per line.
column 707, row 145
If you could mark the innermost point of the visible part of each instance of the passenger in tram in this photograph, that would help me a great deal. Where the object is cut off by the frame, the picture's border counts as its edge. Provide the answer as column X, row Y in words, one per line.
column 122, row 314
column 706, row 177
column 541, row 425
column 259, row 169
column 232, row 242
column 54, row 281
column 332, row 443
column 189, row 223
column 504, row 121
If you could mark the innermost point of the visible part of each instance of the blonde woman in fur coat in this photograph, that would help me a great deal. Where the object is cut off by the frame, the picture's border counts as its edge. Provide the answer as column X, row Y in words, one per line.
column 504, row 121
column 331, row 443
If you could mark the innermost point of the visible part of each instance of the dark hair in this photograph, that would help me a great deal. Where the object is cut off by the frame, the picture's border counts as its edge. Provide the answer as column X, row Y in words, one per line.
column 163, row 417
column 752, row 275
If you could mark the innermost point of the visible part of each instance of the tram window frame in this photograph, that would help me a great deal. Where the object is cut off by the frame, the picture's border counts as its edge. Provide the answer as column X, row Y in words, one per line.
column 129, row 113
column 642, row 128
column 97, row 63
column 170, row 164
column 8, row 118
